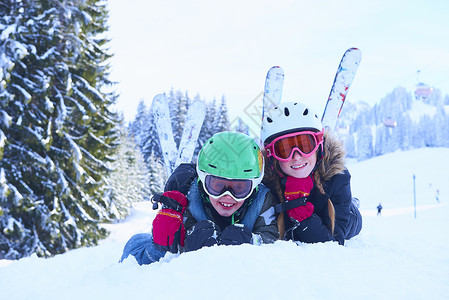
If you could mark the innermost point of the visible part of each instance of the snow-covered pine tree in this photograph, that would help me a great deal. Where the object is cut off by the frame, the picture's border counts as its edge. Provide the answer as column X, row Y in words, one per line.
column 404, row 131
column 151, row 146
column 242, row 127
column 381, row 139
column 442, row 123
column 59, row 130
column 130, row 179
column 365, row 143
column 157, row 174
column 179, row 104
column 137, row 128
column 222, row 120
column 351, row 150
column 207, row 130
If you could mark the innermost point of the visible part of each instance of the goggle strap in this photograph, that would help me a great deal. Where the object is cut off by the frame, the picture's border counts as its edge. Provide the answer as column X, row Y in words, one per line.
column 278, row 208
column 167, row 201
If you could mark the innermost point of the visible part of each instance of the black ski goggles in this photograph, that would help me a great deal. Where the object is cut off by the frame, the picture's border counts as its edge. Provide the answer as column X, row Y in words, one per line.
column 239, row 189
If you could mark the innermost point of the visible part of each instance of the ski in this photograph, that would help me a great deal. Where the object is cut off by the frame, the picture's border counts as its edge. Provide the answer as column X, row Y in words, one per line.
column 272, row 93
column 192, row 127
column 342, row 81
column 161, row 115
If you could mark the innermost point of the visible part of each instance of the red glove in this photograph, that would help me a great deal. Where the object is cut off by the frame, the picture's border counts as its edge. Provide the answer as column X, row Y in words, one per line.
column 297, row 188
column 168, row 226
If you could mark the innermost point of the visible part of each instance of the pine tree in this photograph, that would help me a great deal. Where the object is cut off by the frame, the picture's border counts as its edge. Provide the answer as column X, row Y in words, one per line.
column 381, row 139
column 179, row 105
column 157, row 175
column 207, row 130
column 350, row 146
column 151, row 146
column 242, row 127
column 59, row 132
column 365, row 143
column 130, row 180
column 221, row 120
column 137, row 128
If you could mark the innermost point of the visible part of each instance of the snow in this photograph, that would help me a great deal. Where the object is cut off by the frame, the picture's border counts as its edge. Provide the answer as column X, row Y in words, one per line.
column 7, row 31
column 420, row 109
column 396, row 256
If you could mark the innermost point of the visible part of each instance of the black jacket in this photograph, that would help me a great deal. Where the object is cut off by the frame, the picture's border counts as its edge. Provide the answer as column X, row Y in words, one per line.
column 348, row 221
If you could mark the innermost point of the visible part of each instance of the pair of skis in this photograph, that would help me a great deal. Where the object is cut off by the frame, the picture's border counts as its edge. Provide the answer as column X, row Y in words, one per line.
column 272, row 97
column 340, row 87
column 174, row 156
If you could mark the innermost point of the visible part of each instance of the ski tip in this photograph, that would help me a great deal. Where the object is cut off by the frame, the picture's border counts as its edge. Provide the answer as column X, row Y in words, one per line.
column 276, row 69
column 355, row 53
column 355, row 50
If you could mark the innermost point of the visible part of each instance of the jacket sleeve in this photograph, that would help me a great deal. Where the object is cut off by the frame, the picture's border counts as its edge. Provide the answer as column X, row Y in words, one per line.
column 265, row 228
column 348, row 221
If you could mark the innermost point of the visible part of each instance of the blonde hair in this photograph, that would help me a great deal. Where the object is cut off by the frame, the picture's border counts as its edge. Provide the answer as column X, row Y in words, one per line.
column 273, row 179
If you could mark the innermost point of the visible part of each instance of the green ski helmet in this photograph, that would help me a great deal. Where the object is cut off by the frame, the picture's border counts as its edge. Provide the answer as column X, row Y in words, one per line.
column 231, row 155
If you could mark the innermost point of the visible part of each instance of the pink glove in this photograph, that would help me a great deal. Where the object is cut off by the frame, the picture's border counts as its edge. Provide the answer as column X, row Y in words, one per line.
column 301, row 213
column 168, row 227
column 297, row 188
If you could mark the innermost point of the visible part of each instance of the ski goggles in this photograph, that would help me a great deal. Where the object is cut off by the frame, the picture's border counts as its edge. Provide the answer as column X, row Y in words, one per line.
column 239, row 189
column 305, row 142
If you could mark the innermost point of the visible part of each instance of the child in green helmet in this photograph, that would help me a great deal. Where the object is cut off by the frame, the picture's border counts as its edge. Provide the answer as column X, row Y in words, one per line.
column 221, row 201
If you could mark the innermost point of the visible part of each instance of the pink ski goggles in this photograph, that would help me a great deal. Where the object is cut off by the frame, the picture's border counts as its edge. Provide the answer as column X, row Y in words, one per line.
column 305, row 142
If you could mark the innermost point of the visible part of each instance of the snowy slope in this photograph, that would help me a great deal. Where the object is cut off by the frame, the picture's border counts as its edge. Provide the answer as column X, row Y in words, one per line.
column 395, row 257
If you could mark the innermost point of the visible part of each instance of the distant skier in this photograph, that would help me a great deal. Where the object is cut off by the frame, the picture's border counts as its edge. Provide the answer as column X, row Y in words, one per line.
column 222, row 202
column 379, row 209
column 437, row 196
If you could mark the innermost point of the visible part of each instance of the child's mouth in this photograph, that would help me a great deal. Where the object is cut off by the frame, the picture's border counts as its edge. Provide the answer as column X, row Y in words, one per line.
column 299, row 166
column 227, row 205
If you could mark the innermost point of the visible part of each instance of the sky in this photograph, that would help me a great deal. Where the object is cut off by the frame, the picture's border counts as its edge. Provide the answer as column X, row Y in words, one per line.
column 216, row 48
column 395, row 256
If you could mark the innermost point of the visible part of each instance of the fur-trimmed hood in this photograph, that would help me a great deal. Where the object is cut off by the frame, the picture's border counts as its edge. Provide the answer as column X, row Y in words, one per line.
column 333, row 162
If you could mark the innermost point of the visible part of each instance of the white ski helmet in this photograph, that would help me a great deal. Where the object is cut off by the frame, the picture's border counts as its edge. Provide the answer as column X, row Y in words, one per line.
column 288, row 117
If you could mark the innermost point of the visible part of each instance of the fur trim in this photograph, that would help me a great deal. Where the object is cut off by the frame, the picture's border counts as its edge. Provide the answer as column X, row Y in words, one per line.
column 333, row 162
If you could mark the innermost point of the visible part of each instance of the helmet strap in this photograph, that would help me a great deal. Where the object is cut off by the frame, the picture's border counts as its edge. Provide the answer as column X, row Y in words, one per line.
column 203, row 193
column 319, row 157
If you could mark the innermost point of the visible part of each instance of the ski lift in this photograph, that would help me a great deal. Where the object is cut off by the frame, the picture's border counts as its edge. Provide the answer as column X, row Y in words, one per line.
column 390, row 123
column 423, row 91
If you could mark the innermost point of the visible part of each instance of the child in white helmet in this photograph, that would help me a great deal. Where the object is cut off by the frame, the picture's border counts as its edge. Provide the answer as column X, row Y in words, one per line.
column 305, row 168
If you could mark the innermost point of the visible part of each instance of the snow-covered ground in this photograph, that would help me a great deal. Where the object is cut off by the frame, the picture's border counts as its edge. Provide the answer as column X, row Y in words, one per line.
column 396, row 256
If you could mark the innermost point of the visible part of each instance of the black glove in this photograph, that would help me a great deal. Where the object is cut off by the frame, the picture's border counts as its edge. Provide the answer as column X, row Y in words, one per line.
column 202, row 234
column 181, row 178
column 236, row 234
